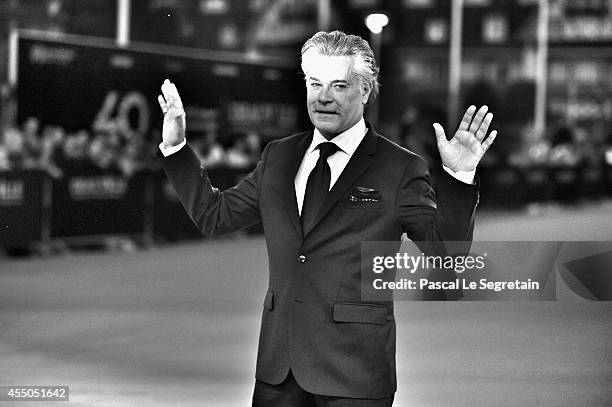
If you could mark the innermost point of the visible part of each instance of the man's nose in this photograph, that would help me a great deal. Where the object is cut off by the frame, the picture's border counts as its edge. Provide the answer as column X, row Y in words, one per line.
column 324, row 95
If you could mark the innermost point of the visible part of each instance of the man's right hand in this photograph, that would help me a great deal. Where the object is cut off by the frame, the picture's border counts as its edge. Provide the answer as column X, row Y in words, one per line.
column 173, row 131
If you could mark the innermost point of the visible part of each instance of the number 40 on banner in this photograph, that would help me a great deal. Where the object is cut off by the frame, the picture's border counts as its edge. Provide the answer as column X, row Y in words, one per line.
column 121, row 108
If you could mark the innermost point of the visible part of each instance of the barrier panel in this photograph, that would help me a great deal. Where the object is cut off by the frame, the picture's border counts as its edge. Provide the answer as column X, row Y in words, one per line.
column 514, row 186
column 566, row 183
column 502, row 186
column 24, row 207
column 537, row 183
column 608, row 181
column 90, row 203
column 35, row 208
column 593, row 181
column 169, row 218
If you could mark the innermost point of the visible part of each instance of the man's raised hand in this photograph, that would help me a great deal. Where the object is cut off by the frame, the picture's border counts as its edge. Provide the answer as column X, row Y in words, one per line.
column 173, row 131
column 464, row 151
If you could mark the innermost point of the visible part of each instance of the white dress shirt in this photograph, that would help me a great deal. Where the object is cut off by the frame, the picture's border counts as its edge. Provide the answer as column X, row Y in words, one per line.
column 347, row 141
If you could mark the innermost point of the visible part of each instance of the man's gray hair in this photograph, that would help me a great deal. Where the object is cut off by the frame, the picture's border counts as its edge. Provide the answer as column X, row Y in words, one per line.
column 337, row 43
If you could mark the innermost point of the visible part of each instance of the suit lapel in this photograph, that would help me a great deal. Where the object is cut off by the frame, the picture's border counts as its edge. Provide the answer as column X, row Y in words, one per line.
column 359, row 162
column 293, row 159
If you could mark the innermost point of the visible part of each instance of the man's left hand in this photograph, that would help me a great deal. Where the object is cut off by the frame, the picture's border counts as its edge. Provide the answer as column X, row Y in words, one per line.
column 464, row 151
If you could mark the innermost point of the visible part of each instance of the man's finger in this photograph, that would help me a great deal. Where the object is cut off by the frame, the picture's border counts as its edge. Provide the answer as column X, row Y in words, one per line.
column 482, row 130
column 478, row 119
column 440, row 136
column 467, row 118
column 169, row 88
column 165, row 88
column 487, row 143
column 175, row 95
column 162, row 103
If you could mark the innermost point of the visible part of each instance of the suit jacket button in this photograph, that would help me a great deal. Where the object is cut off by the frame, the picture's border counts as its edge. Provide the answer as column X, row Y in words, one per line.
column 302, row 258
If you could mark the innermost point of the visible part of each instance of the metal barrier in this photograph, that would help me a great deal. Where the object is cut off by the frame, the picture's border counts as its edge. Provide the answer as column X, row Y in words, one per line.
column 35, row 208
column 25, row 202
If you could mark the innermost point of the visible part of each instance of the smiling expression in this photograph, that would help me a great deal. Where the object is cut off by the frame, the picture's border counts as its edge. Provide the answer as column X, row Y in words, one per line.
column 334, row 95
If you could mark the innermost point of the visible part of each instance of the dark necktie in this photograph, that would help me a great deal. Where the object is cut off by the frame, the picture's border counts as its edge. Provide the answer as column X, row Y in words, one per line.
column 317, row 186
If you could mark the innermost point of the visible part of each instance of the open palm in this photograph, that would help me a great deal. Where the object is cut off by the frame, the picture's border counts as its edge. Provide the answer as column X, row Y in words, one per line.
column 173, row 130
column 464, row 151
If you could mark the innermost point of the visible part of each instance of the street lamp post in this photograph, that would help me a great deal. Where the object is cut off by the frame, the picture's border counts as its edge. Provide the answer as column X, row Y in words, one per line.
column 541, row 69
column 375, row 23
column 454, row 65
column 122, row 37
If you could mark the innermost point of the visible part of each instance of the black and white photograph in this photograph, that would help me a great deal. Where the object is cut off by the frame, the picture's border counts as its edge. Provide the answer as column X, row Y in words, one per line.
column 306, row 203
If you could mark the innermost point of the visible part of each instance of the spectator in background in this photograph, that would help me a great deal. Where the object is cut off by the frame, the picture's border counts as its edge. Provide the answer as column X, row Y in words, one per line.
column 12, row 149
column 51, row 143
column 4, row 161
column 534, row 152
column 253, row 142
column 102, row 153
column 31, row 141
column 15, row 151
column 563, row 151
column 74, row 155
column 211, row 153
column 133, row 157
column 238, row 155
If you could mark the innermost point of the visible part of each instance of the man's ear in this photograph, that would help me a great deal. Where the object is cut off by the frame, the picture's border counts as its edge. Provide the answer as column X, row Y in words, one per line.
column 366, row 89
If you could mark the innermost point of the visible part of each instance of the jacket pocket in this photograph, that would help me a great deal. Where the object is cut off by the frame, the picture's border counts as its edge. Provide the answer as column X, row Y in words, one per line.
column 361, row 313
column 365, row 205
column 269, row 301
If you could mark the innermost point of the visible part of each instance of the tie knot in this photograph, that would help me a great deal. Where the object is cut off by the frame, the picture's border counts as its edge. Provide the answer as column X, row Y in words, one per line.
column 326, row 149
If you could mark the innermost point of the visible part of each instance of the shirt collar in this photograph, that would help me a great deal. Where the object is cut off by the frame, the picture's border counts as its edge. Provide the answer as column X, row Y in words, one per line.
column 347, row 141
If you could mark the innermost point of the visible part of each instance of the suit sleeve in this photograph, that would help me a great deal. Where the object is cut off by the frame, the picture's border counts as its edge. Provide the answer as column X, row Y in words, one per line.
column 425, row 215
column 211, row 210
column 440, row 222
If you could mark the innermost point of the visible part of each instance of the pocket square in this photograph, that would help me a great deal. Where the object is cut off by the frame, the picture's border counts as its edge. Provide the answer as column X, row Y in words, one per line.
column 363, row 194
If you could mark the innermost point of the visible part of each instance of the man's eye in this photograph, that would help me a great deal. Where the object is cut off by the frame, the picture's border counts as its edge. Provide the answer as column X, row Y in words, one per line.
column 340, row 86
column 315, row 85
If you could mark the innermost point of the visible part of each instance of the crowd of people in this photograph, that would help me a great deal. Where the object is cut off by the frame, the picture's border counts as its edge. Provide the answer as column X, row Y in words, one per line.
column 58, row 152
column 32, row 145
column 237, row 151
column 565, row 145
column 572, row 146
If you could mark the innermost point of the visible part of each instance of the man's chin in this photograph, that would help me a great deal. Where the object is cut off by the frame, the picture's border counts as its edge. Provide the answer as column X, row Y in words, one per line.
column 326, row 126
column 328, row 134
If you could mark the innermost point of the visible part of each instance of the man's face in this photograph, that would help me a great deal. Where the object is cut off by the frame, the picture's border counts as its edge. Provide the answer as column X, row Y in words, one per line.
column 335, row 96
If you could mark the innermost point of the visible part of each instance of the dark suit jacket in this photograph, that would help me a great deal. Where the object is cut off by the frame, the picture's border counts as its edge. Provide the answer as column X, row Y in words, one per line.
column 314, row 321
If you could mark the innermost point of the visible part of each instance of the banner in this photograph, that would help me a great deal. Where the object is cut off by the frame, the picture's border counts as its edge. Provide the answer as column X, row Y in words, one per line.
column 80, row 82
column 92, row 203
column 24, row 199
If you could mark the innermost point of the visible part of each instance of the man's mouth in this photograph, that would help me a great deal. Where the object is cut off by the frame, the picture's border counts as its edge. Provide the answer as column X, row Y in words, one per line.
column 325, row 112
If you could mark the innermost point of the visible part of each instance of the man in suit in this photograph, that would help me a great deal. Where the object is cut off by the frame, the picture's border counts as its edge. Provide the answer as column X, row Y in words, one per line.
column 319, row 194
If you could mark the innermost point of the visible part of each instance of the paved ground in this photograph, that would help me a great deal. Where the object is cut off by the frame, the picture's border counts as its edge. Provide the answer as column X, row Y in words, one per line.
column 178, row 326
